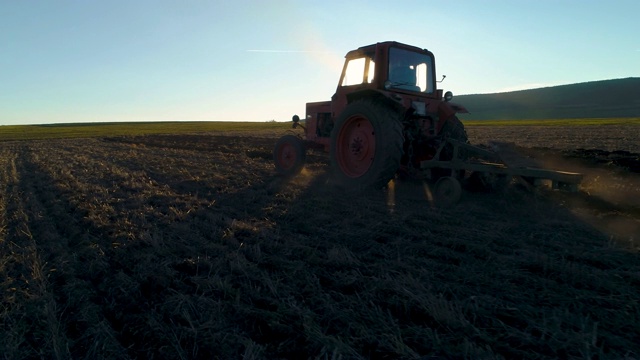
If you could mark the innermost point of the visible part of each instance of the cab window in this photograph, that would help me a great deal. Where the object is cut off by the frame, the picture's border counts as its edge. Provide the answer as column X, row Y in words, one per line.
column 358, row 71
column 411, row 71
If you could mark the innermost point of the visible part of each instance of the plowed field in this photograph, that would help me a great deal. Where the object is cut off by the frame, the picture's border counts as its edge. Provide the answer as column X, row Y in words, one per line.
column 189, row 246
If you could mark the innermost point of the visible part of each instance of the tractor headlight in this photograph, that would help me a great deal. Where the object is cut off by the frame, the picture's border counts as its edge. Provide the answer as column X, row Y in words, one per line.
column 448, row 96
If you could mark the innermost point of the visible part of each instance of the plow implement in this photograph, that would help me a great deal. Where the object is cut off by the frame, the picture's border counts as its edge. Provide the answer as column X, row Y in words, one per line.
column 500, row 163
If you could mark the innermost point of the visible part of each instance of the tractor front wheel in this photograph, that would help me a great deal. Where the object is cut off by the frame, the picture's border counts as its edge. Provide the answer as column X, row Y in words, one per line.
column 366, row 145
column 289, row 155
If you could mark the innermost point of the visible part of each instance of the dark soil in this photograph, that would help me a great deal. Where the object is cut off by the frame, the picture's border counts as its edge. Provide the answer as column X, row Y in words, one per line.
column 189, row 246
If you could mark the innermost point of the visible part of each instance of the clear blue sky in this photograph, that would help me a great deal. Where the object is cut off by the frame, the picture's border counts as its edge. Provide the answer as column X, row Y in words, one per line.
column 129, row 60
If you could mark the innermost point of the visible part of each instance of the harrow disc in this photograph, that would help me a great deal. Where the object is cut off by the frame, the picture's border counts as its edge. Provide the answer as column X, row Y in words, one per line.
column 447, row 191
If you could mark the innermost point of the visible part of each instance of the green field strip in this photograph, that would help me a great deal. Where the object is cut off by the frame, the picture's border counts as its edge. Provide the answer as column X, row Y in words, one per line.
column 82, row 130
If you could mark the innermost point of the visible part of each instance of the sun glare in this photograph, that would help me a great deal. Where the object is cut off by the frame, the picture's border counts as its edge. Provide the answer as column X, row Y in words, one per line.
column 391, row 196
column 427, row 193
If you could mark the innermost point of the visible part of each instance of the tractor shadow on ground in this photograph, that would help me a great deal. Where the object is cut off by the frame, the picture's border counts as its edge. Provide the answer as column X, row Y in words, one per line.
column 617, row 222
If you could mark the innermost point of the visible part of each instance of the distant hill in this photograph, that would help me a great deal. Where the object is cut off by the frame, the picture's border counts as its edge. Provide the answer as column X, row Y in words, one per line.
column 596, row 99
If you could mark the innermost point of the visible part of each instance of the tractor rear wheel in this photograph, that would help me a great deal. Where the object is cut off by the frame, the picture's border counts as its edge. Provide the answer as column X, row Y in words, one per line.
column 366, row 145
column 454, row 129
column 289, row 155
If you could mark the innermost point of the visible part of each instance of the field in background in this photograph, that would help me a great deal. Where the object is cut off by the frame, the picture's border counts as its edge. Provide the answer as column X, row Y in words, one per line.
column 83, row 130
column 71, row 130
column 187, row 245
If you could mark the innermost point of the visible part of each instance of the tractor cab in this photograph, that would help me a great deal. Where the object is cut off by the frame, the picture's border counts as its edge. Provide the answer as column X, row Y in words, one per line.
column 389, row 66
column 399, row 75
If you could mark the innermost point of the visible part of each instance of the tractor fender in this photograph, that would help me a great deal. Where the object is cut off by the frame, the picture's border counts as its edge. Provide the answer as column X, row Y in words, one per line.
column 447, row 110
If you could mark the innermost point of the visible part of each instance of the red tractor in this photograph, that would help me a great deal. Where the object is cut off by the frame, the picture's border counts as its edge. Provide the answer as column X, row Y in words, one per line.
column 386, row 116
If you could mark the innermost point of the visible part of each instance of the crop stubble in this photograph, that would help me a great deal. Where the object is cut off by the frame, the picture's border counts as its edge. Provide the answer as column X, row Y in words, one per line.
column 189, row 246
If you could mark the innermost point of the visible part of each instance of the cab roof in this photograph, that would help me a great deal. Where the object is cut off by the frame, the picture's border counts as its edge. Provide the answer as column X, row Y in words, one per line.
column 386, row 44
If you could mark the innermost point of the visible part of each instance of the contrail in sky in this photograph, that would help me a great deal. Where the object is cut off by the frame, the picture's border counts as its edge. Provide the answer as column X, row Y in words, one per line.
column 288, row 51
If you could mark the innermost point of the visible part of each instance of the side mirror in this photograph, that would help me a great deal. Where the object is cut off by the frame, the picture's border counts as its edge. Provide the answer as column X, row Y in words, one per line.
column 448, row 96
column 296, row 122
